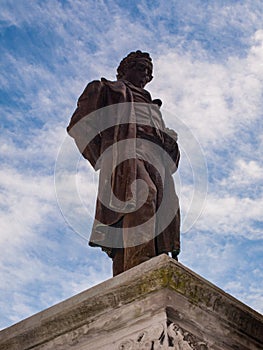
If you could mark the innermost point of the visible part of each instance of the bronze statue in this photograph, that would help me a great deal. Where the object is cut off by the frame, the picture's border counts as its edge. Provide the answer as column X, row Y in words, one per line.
column 132, row 147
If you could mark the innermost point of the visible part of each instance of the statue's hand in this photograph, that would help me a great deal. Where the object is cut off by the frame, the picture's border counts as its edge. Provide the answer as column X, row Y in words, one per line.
column 171, row 133
column 157, row 102
column 175, row 254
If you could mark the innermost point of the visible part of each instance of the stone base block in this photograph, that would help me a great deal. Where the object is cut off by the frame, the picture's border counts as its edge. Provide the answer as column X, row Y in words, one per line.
column 159, row 304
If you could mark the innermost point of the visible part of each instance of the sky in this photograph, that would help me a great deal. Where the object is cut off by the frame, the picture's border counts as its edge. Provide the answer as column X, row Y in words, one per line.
column 208, row 71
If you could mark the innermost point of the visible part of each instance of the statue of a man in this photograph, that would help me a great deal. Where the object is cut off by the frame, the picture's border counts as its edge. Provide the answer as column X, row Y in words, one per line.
column 132, row 147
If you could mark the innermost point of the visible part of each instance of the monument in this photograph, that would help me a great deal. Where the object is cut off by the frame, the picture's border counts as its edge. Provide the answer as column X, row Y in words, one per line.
column 153, row 302
column 137, row 211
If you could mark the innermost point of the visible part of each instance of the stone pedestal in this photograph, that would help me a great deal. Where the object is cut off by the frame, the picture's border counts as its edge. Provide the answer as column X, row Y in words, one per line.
column 159, row 304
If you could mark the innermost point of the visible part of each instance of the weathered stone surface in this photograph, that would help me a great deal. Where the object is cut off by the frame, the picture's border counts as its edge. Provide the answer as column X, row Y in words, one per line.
column 159, row 304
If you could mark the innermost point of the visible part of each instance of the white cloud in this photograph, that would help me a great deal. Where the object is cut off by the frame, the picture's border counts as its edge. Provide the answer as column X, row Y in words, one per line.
column 26, row 203
column 225, row 96
column 232, row 215
column 245, row 173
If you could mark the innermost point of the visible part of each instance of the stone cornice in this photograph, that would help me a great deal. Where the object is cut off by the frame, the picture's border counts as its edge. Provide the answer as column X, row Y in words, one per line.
column 157, row 274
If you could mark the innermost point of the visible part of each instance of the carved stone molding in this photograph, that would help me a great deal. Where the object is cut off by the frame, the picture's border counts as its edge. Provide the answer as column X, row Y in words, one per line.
column 163, row 337
column 209, row 297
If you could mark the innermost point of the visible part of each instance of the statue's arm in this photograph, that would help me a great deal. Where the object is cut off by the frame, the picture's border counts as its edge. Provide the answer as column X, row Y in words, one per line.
column 169, row 141
column 81, row 126
column 87, row 102
column 171, row 147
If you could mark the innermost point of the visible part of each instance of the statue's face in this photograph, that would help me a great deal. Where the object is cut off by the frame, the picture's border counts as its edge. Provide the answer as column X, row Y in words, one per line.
column 140, row 74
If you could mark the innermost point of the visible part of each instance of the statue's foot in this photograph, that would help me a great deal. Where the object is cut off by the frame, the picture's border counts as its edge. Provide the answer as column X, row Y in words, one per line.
column 175, row 254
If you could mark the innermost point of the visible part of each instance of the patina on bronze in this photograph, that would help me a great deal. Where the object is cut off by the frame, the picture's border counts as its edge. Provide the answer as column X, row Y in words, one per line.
column 133, row 73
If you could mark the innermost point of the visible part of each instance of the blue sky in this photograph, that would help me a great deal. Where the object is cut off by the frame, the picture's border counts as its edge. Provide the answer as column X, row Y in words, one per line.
column 208, row 72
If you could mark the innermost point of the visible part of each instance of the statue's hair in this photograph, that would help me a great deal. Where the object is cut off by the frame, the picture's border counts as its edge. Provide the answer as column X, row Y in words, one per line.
column 129, row 61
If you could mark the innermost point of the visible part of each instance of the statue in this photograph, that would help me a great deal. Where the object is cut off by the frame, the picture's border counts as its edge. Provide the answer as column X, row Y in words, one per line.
column 135, row 150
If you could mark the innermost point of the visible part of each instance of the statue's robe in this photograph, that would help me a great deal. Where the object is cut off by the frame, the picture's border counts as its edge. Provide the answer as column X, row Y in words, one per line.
column 118, row 226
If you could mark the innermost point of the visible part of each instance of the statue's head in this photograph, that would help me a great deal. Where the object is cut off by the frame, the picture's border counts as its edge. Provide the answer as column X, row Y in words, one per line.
column 136, row 68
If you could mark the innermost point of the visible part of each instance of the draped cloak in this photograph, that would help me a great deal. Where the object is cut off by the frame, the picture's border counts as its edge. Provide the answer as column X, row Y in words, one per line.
column 108, row 113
